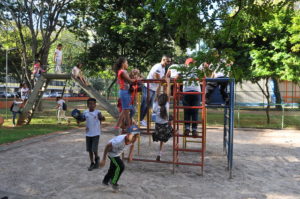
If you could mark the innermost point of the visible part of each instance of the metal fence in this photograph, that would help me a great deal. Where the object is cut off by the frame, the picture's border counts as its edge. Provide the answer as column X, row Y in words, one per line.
column 247, row 114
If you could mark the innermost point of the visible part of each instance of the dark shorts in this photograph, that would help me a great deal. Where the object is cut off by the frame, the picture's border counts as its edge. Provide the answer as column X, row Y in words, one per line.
column 162, row 132
column 92, row 143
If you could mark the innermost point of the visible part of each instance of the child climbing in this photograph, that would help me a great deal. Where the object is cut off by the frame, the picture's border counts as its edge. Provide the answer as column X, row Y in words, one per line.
column 163, row 129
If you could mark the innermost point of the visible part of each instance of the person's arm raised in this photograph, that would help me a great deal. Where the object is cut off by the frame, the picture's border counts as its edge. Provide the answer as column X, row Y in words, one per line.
column 168, row 88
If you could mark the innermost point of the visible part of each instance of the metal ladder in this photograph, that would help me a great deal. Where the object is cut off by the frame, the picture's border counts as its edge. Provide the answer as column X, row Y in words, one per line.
column 200, row 139
column 33, row 101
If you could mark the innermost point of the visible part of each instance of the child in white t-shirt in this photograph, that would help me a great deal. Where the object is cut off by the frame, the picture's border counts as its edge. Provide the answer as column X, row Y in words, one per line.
column 61, row 110
column 113, row 150
column 93, row 118
column 24, row 92
column 163, row 129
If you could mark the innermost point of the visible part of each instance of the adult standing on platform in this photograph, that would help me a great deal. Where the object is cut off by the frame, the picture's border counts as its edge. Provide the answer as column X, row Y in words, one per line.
column 191, row 100
column 156, row 72
column 58, row 57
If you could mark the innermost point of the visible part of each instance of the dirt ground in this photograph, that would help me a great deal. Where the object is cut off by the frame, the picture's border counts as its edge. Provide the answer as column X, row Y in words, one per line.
column 266, row 165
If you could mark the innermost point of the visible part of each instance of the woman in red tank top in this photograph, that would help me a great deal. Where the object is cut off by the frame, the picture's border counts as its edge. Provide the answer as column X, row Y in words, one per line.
column 124, row 82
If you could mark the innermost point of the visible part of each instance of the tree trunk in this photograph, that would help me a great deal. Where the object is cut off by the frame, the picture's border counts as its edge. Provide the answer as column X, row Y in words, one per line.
column 267, row 95
column 108, row 91
column 277, row 94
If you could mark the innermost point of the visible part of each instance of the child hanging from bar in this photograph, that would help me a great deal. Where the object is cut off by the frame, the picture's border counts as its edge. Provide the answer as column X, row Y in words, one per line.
column 163, row 129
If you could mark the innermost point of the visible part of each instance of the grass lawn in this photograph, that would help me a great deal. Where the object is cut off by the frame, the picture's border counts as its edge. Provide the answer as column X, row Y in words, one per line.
column 38, row 126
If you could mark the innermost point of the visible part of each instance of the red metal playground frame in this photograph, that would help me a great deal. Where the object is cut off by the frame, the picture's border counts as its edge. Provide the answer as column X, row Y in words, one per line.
column 177, row 135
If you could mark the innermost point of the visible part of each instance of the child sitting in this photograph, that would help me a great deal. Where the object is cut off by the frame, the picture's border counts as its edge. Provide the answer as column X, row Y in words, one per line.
column 77, row 73
column 37, row 70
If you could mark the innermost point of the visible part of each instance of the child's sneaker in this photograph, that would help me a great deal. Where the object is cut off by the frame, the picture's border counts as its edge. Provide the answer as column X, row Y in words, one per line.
column 105, row 184
column 91, row 167
column 158, row 158
column 115, row 188
column 143, row 123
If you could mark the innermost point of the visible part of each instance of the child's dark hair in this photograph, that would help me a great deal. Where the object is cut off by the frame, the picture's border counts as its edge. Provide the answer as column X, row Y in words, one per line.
column 118, row 64
column 162, row 101
column 59, row 45
column 91, row 100
column 58, row 98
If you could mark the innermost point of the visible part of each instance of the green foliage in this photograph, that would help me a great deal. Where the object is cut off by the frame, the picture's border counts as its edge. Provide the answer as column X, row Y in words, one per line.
column 73, row 50
column 126, row 28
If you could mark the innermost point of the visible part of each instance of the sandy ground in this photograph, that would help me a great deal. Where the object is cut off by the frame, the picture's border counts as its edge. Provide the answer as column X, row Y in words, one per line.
column 266, row 165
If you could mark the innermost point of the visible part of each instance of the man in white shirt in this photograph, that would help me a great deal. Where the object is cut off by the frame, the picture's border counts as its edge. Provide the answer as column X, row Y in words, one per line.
column 58, row 57
column 156, row 72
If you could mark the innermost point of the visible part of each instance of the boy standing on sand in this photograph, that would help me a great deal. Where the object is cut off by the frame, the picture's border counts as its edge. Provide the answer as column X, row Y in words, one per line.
column 113, row 150
column 93, row 118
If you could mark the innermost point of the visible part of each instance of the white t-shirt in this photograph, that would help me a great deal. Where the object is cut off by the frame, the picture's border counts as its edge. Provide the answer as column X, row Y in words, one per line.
column 156, row 110
column 24, row 93
column 92, row 123
column 58, row 55
column 193, row 85
column 60, row 103
column 118, row 146
column 75, row 71
column 174, row 72
column 156, row 69
column 16, row 107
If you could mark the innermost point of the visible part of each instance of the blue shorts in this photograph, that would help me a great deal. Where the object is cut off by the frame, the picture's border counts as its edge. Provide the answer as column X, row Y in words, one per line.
column 125, row 99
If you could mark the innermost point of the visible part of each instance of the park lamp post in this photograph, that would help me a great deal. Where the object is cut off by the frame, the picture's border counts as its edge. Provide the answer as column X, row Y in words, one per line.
column 6, row 77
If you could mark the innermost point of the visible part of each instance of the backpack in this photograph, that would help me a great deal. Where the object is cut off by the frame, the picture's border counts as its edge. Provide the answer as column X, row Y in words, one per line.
column 64, row 106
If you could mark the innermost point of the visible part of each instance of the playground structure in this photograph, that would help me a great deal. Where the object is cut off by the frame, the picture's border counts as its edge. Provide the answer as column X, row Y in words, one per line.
column 178, row 137
column 200, row 139
column 41, row 86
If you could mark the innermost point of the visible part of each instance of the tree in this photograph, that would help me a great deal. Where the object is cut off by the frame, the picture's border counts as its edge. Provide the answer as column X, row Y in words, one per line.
column 44, row 19
column 268, row 43
column 123, row 28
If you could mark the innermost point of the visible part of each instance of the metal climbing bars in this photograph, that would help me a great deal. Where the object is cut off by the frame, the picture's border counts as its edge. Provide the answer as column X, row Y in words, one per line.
column 178, row 133
column 200, row 147
column 228, row 129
